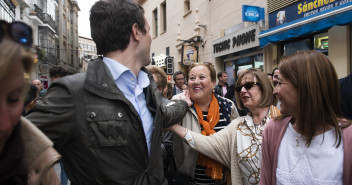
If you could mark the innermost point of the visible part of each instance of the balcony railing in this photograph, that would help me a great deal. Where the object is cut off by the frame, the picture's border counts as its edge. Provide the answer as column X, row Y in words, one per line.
column 36, row 11
column 44, row 17
column 70, row 68
column 49, row 21
column 46, row 57
column 50, row 59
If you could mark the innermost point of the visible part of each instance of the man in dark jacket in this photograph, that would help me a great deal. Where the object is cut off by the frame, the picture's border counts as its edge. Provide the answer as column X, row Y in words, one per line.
column 222, row 86
column 179, row 79
column 346, row 96
column 107, row 122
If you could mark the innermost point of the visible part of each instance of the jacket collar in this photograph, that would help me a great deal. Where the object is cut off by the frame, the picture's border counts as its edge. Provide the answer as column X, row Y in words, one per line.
column 100, row 82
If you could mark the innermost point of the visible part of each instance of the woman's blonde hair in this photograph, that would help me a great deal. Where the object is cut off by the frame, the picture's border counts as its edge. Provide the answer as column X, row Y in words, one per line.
column 11, row 52
column 315, row 79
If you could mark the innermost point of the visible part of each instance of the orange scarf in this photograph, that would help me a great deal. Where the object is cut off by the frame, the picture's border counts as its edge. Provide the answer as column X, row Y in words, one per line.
column 213, row 168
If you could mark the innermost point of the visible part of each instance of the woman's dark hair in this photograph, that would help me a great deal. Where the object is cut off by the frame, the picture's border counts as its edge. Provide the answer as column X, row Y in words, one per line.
column 316, row 82
column 111, row 24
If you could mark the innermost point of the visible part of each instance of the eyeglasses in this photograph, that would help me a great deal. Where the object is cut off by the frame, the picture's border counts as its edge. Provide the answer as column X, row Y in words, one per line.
column 18, row 32
column 247, row 86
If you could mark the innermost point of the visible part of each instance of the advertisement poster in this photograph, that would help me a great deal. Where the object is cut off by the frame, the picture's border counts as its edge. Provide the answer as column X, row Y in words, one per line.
column 304, row 9
column 252, row 13
column 189, row 55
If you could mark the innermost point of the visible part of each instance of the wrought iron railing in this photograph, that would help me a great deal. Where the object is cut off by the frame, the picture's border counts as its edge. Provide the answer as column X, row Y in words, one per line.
column 44, row 17
column 49, row 21
column 36, row 11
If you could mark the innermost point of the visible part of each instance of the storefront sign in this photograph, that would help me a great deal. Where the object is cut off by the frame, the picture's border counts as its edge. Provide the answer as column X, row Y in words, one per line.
column 244, row 39
column 189, row 55
column 300, row 9
column 252, row 13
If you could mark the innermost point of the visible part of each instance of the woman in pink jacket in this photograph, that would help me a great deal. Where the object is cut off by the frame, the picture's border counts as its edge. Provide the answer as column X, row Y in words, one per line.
column 307, row 144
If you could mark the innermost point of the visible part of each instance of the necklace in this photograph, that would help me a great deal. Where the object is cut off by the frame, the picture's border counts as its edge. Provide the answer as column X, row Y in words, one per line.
column 263, row 122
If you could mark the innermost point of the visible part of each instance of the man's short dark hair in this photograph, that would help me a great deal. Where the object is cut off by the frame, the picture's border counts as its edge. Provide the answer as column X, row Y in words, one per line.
column 111, row 24
column 220, row 74
column 178, row 73
column 57, row 72
column 272, row 74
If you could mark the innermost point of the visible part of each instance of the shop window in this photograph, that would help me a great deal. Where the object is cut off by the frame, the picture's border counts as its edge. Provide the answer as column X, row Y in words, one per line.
column 259, row 62
column 321, row 42
column 318, row 42
column 163, row 17
column 295, row 46
column 155, row 22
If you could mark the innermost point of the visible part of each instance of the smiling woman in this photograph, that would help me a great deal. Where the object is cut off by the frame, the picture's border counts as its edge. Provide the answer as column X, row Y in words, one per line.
column 307, row 145
column 209, row 114
column 238, row 145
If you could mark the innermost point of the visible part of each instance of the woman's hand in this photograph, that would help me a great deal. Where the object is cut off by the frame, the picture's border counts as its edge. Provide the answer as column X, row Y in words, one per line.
column 185, row 97
column 343, row 122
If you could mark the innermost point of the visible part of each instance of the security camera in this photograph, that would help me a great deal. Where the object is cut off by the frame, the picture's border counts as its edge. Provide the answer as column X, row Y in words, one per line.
column 203, row 43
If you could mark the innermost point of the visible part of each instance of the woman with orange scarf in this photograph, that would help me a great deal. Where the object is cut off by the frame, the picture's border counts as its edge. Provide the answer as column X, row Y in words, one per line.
column 209, row 114
column 238, row 146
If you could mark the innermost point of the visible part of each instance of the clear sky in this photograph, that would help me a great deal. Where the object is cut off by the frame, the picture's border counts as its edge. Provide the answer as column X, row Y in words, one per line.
column 83, row 17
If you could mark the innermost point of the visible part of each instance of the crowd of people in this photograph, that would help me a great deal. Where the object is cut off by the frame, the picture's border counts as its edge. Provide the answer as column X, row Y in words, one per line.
column 122, row 122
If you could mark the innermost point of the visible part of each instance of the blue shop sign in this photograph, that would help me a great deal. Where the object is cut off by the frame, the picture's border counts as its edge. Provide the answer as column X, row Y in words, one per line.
column 303, row 9
column 252, row 13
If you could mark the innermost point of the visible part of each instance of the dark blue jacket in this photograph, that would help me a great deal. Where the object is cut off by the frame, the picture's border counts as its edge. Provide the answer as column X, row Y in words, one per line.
column 346, row 96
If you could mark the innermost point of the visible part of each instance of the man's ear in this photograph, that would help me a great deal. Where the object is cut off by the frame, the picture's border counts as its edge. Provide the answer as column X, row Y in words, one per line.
column 136, row 32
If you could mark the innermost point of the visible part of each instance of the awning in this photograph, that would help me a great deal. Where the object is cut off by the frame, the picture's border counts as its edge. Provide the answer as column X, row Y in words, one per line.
column 304, row 26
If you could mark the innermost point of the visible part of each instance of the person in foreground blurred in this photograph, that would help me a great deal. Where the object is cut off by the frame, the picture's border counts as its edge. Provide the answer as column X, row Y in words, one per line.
column 238, row 146
column 26, row 154
column 306, row 145
column 209, row 114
